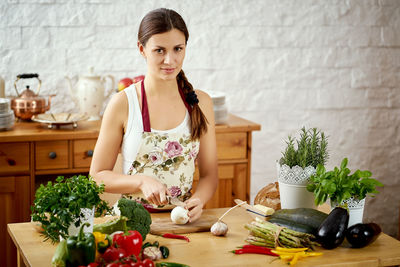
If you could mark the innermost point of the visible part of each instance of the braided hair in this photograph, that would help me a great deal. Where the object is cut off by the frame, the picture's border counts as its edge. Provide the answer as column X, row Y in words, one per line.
column 163, row 20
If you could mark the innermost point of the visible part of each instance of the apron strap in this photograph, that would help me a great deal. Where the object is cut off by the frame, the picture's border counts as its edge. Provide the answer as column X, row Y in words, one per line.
column 145, row 111
column 145, row 108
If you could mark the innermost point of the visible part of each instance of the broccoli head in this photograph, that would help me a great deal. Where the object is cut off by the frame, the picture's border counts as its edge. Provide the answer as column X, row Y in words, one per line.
column 138, row 217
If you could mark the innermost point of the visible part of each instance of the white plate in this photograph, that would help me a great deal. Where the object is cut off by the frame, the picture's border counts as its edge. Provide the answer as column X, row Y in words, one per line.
column 58, row 119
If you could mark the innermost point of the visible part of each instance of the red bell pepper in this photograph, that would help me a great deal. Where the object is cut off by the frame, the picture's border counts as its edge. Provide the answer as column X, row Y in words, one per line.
column 130, row 241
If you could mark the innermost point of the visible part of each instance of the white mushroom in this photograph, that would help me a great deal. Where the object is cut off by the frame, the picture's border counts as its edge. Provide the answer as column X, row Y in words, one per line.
column 179, row 215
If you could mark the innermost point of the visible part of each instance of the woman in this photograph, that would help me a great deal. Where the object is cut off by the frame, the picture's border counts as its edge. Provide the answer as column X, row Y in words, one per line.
column 161, row 126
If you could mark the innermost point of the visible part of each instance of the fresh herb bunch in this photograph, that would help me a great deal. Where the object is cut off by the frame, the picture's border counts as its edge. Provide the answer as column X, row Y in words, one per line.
column 339, row 185
column 312, row 149
column 59, row 204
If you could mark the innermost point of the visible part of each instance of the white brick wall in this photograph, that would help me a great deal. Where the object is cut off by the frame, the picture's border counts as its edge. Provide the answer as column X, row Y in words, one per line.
column 284, row 64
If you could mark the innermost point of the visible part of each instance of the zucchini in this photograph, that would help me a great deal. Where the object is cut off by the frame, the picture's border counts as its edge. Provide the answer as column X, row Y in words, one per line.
column 60, row 255
column 304, row 216
column 299, row 227
column 116, row 224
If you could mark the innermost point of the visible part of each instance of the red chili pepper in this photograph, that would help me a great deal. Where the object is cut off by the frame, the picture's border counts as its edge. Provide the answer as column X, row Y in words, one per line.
column 176, row 236
column 131, row 242
column 253, row 251
column 255, row 247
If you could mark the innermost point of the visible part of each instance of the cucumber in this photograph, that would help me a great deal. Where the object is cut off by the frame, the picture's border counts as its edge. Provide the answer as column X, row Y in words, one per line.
column 302, row 216
column 60, row 255
column 299, row 227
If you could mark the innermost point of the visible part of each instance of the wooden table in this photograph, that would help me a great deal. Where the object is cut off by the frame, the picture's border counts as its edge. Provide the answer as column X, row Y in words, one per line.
column 204, row 249
column 31, row 154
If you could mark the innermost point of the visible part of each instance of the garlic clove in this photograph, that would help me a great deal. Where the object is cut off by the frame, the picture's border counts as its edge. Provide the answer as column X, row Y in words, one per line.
column 219, row 228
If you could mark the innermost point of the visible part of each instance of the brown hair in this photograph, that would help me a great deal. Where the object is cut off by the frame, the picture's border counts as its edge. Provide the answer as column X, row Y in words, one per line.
column 163, row 20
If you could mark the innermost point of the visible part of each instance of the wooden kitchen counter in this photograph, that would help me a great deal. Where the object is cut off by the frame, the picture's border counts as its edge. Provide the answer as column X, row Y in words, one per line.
column 204, row 249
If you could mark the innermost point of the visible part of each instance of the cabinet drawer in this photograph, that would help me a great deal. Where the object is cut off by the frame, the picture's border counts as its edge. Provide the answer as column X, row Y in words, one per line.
column 232, row 145
column 83, row 152
column 51, row 155
column 14, row 157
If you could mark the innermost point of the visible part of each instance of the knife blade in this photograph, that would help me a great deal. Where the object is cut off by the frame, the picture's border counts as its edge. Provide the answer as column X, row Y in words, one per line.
column 175, row 201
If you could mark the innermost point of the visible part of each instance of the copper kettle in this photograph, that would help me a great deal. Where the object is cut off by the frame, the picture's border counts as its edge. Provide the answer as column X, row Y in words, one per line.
column 28, row 103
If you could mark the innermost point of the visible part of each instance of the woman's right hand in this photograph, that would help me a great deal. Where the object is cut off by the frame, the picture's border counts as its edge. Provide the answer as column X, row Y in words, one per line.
column 153, row 191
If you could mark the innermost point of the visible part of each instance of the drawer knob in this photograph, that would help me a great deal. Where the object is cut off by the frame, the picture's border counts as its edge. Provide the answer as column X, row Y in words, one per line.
column 52, row 155
column 89, row 153
column 11, row 162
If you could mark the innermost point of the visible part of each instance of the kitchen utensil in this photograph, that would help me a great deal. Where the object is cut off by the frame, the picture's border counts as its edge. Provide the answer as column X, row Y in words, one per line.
column 29, row 103
column 251, row 210
column 175, row 201
column 56, row 120
column 88, row 93
column 165, row 225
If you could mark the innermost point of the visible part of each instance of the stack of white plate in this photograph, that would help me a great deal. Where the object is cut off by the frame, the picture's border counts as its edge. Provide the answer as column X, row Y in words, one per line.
column 6, row 114
column 220, row 108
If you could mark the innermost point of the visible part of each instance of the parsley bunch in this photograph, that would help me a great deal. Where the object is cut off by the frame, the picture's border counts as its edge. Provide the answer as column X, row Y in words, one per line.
column 340, row 185
column 311, row 149
column 59, row 204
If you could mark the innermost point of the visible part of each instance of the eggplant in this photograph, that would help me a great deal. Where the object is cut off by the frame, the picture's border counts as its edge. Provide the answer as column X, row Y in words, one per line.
column 362, row 234
column 332, row 231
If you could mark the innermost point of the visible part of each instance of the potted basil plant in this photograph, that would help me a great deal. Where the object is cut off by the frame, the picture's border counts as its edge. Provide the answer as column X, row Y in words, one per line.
column 61, row 207
column 297, row 164
column 343, row 189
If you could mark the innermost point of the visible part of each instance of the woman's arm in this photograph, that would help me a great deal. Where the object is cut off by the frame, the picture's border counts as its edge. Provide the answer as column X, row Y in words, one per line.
column 207, row 161
column 106, row 152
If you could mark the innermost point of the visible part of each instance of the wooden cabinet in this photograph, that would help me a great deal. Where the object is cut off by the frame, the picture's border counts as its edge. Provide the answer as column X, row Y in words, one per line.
column 31, row 154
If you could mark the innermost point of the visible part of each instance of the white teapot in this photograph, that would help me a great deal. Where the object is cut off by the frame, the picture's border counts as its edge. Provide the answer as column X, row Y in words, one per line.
column 88, row 93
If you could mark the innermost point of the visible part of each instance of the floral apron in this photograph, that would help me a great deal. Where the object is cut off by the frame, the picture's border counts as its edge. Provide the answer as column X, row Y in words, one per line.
column 168, row 157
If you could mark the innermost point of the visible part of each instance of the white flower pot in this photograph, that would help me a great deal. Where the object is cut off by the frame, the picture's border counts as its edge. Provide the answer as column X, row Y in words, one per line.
column 88, row 216
column 295, row 196
column 355, row 208
column 293, row 187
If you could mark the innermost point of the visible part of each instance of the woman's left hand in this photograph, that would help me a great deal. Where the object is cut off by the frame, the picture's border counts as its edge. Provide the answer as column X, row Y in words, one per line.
column 195, row 207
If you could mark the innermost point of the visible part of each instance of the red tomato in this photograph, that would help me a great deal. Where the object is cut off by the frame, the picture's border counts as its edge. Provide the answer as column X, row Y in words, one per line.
column 112, row 265
column 112, row 254
column 138, row 264
column 93, row 264
column 148, row 263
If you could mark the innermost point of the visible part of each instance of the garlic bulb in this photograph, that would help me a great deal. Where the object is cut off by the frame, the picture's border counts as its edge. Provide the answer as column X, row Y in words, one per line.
column 179, row 215
column 219, row 228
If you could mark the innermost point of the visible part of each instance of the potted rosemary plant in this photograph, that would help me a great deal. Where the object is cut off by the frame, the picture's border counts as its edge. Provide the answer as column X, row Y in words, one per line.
column 298, row 163
column 63, row 206
column 343, row 189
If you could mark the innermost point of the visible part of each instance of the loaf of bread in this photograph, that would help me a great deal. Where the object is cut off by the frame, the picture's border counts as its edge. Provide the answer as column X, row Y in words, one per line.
column 269, row 196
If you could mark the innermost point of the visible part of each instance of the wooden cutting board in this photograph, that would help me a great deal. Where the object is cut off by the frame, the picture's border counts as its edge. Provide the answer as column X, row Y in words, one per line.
column 165, row 225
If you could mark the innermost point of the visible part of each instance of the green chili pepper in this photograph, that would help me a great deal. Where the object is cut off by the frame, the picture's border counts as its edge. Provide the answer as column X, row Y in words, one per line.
column 170, row 264
column 81, row 248
column 164, row 252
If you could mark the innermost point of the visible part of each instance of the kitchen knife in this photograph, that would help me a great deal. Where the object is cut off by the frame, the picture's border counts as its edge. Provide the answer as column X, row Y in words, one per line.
column 175, row 201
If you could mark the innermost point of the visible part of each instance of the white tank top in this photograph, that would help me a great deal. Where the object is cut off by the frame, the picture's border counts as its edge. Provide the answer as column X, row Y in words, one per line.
column 134, row 129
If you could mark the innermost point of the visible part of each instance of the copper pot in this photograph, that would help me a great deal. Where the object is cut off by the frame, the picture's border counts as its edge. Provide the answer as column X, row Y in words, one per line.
column 29, row 103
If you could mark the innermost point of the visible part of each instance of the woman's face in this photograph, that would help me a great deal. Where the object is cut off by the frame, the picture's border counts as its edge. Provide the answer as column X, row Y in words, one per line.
column 164, row 54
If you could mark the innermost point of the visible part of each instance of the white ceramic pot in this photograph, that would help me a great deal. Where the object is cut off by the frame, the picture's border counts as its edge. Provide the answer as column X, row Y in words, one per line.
column 355, row 208
column 293, row 187
column 88, row 94
column 88, row 216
